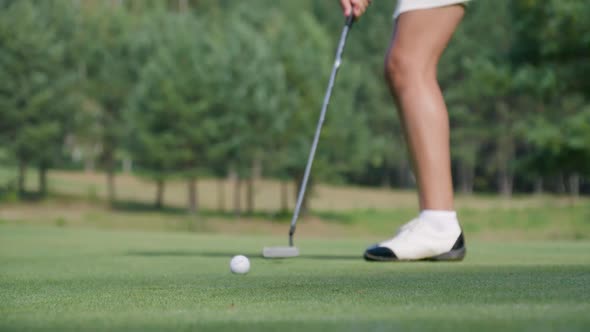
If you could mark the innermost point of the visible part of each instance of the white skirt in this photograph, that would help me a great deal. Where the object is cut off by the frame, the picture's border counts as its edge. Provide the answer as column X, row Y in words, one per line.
column 408, row 5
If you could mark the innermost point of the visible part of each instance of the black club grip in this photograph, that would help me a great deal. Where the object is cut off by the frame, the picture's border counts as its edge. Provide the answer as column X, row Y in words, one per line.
column 350, row 20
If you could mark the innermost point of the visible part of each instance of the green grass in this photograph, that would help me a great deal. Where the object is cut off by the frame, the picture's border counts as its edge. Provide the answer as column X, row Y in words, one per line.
column 78, row 199
column 64, row 279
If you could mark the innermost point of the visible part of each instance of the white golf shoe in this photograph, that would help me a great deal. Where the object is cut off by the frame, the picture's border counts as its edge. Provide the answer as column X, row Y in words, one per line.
column 421, row 239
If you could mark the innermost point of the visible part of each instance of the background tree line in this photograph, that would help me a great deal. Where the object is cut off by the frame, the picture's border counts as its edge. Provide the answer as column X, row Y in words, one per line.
column 185, row 89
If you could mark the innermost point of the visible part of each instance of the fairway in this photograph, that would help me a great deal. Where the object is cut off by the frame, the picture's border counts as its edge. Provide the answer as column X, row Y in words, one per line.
column 71, row 279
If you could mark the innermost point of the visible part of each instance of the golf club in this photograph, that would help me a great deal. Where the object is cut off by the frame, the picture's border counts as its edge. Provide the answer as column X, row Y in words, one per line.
column 291, row 250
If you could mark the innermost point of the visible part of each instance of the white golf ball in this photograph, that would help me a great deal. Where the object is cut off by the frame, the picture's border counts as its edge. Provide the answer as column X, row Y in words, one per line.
column 239, row 264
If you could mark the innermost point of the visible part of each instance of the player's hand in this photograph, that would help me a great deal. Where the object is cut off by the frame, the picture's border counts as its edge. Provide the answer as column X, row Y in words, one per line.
column 355, row 7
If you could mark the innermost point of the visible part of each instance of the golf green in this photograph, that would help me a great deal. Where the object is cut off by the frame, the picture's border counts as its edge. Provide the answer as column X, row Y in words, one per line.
column 71, row 279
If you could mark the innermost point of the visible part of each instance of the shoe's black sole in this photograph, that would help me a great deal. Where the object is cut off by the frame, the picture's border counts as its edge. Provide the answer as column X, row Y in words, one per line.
column 455, row 255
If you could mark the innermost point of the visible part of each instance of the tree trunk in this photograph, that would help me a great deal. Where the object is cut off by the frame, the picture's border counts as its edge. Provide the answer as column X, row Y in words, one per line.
column 385, row 177
column 505, row 181
column 284, row 196
column 560, row 184
column 237, row 196
column 111, row 193
column 250, row 195
column 305, row 202
column 538, row 186
column 89, row 165
column 504, row 155
column 183, row 5
column 505, row 149
column 43, row 181
column 221, row 195
column 109, row 120
column 466, row 177
column 160, row 187
column 257, row 168
column 255, row 174
column 127, row 165
column 574, row 185
column 405, row 175
column 193, row 196
column 22, row 177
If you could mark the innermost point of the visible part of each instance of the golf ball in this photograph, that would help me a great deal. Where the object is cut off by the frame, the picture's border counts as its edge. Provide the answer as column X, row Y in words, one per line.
column 239, row 264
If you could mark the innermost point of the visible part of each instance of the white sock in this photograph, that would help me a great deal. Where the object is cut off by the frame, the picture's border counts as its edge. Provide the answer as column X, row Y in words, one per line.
column 441, row 220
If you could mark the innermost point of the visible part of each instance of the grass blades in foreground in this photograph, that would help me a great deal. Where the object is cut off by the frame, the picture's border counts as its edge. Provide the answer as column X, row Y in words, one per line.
column 72, row 279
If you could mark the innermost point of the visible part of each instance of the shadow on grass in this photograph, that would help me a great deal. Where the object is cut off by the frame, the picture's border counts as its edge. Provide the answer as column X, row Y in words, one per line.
column 132, row 206
column 220, row 254
column 335, row 216
column 276, row 216
column 10, row 195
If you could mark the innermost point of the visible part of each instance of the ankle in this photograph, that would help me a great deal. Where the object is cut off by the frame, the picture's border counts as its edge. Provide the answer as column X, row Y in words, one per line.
column 442, row 220
column 448, row 215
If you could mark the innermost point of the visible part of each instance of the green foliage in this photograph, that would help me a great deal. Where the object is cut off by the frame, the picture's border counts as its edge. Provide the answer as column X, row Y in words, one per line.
column 561, row 146
column 36, row 84
column 109, row 72
column 187, row 88
column 171, row 120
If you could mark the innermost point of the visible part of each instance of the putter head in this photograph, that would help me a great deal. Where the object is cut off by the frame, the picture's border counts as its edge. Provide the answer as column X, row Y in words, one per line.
column 280, row 252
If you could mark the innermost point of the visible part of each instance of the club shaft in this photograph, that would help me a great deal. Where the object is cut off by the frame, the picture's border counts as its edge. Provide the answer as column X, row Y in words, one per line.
column 318, row 131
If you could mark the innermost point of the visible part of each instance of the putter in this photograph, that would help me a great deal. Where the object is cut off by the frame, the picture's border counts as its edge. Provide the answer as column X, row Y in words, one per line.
column 291, row 250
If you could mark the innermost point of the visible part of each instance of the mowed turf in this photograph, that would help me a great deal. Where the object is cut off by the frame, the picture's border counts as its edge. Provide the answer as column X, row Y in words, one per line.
column 73, row 279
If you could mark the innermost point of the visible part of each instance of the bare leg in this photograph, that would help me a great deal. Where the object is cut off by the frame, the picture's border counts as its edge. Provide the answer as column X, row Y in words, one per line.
column 419, row 40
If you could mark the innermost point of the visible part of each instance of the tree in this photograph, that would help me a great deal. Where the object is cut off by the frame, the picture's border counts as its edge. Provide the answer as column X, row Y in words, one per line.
column 173, row 123
column 247, row 85
column 34, row 97
column 552, row 38
column 109, row 78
